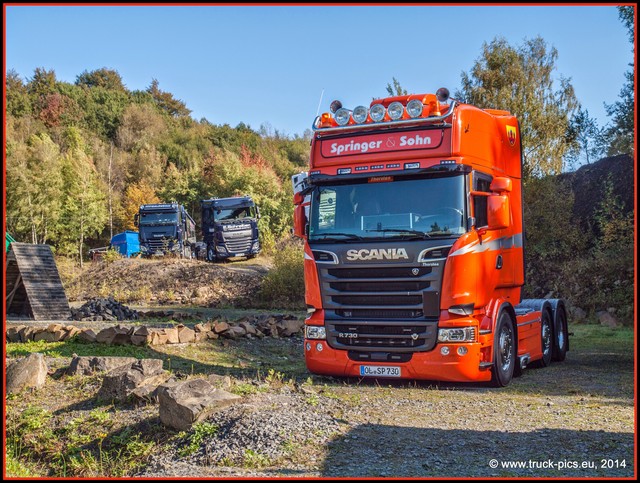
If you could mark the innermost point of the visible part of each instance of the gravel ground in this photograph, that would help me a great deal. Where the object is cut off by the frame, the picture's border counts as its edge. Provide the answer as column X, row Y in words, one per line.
column 572, row 419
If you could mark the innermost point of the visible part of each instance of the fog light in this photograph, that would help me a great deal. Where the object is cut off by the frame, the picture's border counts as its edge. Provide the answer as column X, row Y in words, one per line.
column 342, row 116
column 308, row 346
column 377, row 112
column 360, row 114
column 319, row 347
column 462, row 351
column 414, row 108
column 395, row 110
column 444, row 351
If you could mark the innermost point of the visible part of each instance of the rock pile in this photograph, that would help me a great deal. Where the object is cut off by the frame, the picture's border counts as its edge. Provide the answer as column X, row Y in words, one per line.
column 249, row 327
column 103, row 309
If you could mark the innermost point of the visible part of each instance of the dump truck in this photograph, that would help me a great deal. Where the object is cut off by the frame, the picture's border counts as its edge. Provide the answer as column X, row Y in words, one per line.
column 165, row 228
column 412, row 218
column 230, row 227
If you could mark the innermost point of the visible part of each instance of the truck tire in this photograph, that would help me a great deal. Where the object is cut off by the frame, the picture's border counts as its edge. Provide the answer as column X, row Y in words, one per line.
column 211, row 254
column 504, row 351
column 561, row 339
column 546, row 339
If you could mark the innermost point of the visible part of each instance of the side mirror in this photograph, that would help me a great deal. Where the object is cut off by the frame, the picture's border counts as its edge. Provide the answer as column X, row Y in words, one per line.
column 299, row 221
column 136, row 219
column 498, row 213
column 257, row 213
column 500, row 185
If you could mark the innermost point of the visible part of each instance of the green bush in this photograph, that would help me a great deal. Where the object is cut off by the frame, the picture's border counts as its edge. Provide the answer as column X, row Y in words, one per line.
column 283, row 287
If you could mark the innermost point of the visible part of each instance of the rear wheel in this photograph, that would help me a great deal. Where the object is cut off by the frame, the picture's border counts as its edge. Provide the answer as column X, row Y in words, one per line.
column 546, row 339
column 561, row 335
column 504, row 351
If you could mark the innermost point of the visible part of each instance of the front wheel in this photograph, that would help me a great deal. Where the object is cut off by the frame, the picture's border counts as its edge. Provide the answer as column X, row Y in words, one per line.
column 504, row 351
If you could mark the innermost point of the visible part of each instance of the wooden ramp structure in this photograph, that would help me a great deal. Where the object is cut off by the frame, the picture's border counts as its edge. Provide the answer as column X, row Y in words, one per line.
column 34, row 288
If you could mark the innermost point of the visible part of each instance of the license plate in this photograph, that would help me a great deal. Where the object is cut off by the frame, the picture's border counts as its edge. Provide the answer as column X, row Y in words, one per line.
column 380, row 371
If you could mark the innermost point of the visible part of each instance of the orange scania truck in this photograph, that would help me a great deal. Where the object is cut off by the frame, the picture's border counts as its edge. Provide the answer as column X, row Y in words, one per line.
column 411, row 215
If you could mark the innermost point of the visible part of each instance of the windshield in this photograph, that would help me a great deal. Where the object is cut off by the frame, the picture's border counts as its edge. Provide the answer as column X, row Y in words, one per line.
column 166, row 218
column 423, row 208
column 234, row 213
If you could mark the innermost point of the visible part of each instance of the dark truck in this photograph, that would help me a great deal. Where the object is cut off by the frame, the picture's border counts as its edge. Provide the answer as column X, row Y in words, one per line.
column 165, row 228
column 230, row 227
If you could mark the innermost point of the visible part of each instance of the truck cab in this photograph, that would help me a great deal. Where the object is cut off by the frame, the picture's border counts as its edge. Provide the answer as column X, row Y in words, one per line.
column 411, row 212
column 230, row 227
column 165, row 228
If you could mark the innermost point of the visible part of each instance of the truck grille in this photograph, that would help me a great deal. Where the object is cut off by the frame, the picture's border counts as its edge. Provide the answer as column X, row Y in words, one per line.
column 390, row 336
column 381, row 308
column 238, row 242
column 160, row 244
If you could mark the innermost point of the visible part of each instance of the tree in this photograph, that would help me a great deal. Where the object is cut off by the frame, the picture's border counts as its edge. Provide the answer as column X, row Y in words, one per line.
column 135, row 195
column 519, row 80
column 621, row 133
column 106, row 78
column 18, row 102
column 84, row 212
column 166, row 101
column 585, row 136
column 34, row 188
column 396, row 89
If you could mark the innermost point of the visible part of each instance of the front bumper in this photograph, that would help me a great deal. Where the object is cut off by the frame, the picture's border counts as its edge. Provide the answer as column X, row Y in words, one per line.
column 431, row 365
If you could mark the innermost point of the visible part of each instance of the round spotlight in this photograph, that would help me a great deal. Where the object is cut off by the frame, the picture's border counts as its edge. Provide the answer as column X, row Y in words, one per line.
column 308, row 346
column 342, row 116
column 395, row 110
column 444, row 351
column 335, row 105
column 462, row 351
column 377, row 112
column 414, row 108
column 360, row 114
column 442, row 94
column 319, row 347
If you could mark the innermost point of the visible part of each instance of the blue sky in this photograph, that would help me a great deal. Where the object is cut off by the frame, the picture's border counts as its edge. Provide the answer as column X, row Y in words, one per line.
column 270, row 65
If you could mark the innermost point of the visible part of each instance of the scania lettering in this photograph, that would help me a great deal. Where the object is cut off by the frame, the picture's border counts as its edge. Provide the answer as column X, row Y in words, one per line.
column 230, row 227
column 389, row 254
column 411, row 215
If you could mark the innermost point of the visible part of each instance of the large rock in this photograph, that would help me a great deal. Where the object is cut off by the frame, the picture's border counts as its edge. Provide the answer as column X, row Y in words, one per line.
column 30, row 371
column 185, row 334
column 607, row 320
column 287, row 328
column 85, row 365
column 87, row 335
column 184, row 403
column 13, row 333
column 119, row 383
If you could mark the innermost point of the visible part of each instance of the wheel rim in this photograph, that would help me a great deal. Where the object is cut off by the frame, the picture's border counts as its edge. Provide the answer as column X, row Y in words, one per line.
column 546, row 338
column 506, row 348
column 561, row 334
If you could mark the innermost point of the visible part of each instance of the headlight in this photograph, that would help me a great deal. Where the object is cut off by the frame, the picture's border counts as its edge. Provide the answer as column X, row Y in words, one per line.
column 221, row 249
column 143, row 248
column 315, row 332
column 414, row 108
column 395, row 110
column 377, row 112
column 342, row 116
column 360, row 114
column 458, row 334
column 255, row 246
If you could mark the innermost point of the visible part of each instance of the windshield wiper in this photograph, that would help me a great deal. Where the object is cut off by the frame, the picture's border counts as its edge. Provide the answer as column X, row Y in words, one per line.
column 327, row 236
column 403, row 230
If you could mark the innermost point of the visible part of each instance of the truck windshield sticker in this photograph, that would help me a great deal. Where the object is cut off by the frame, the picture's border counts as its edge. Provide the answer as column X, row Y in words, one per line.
column 378, row 143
